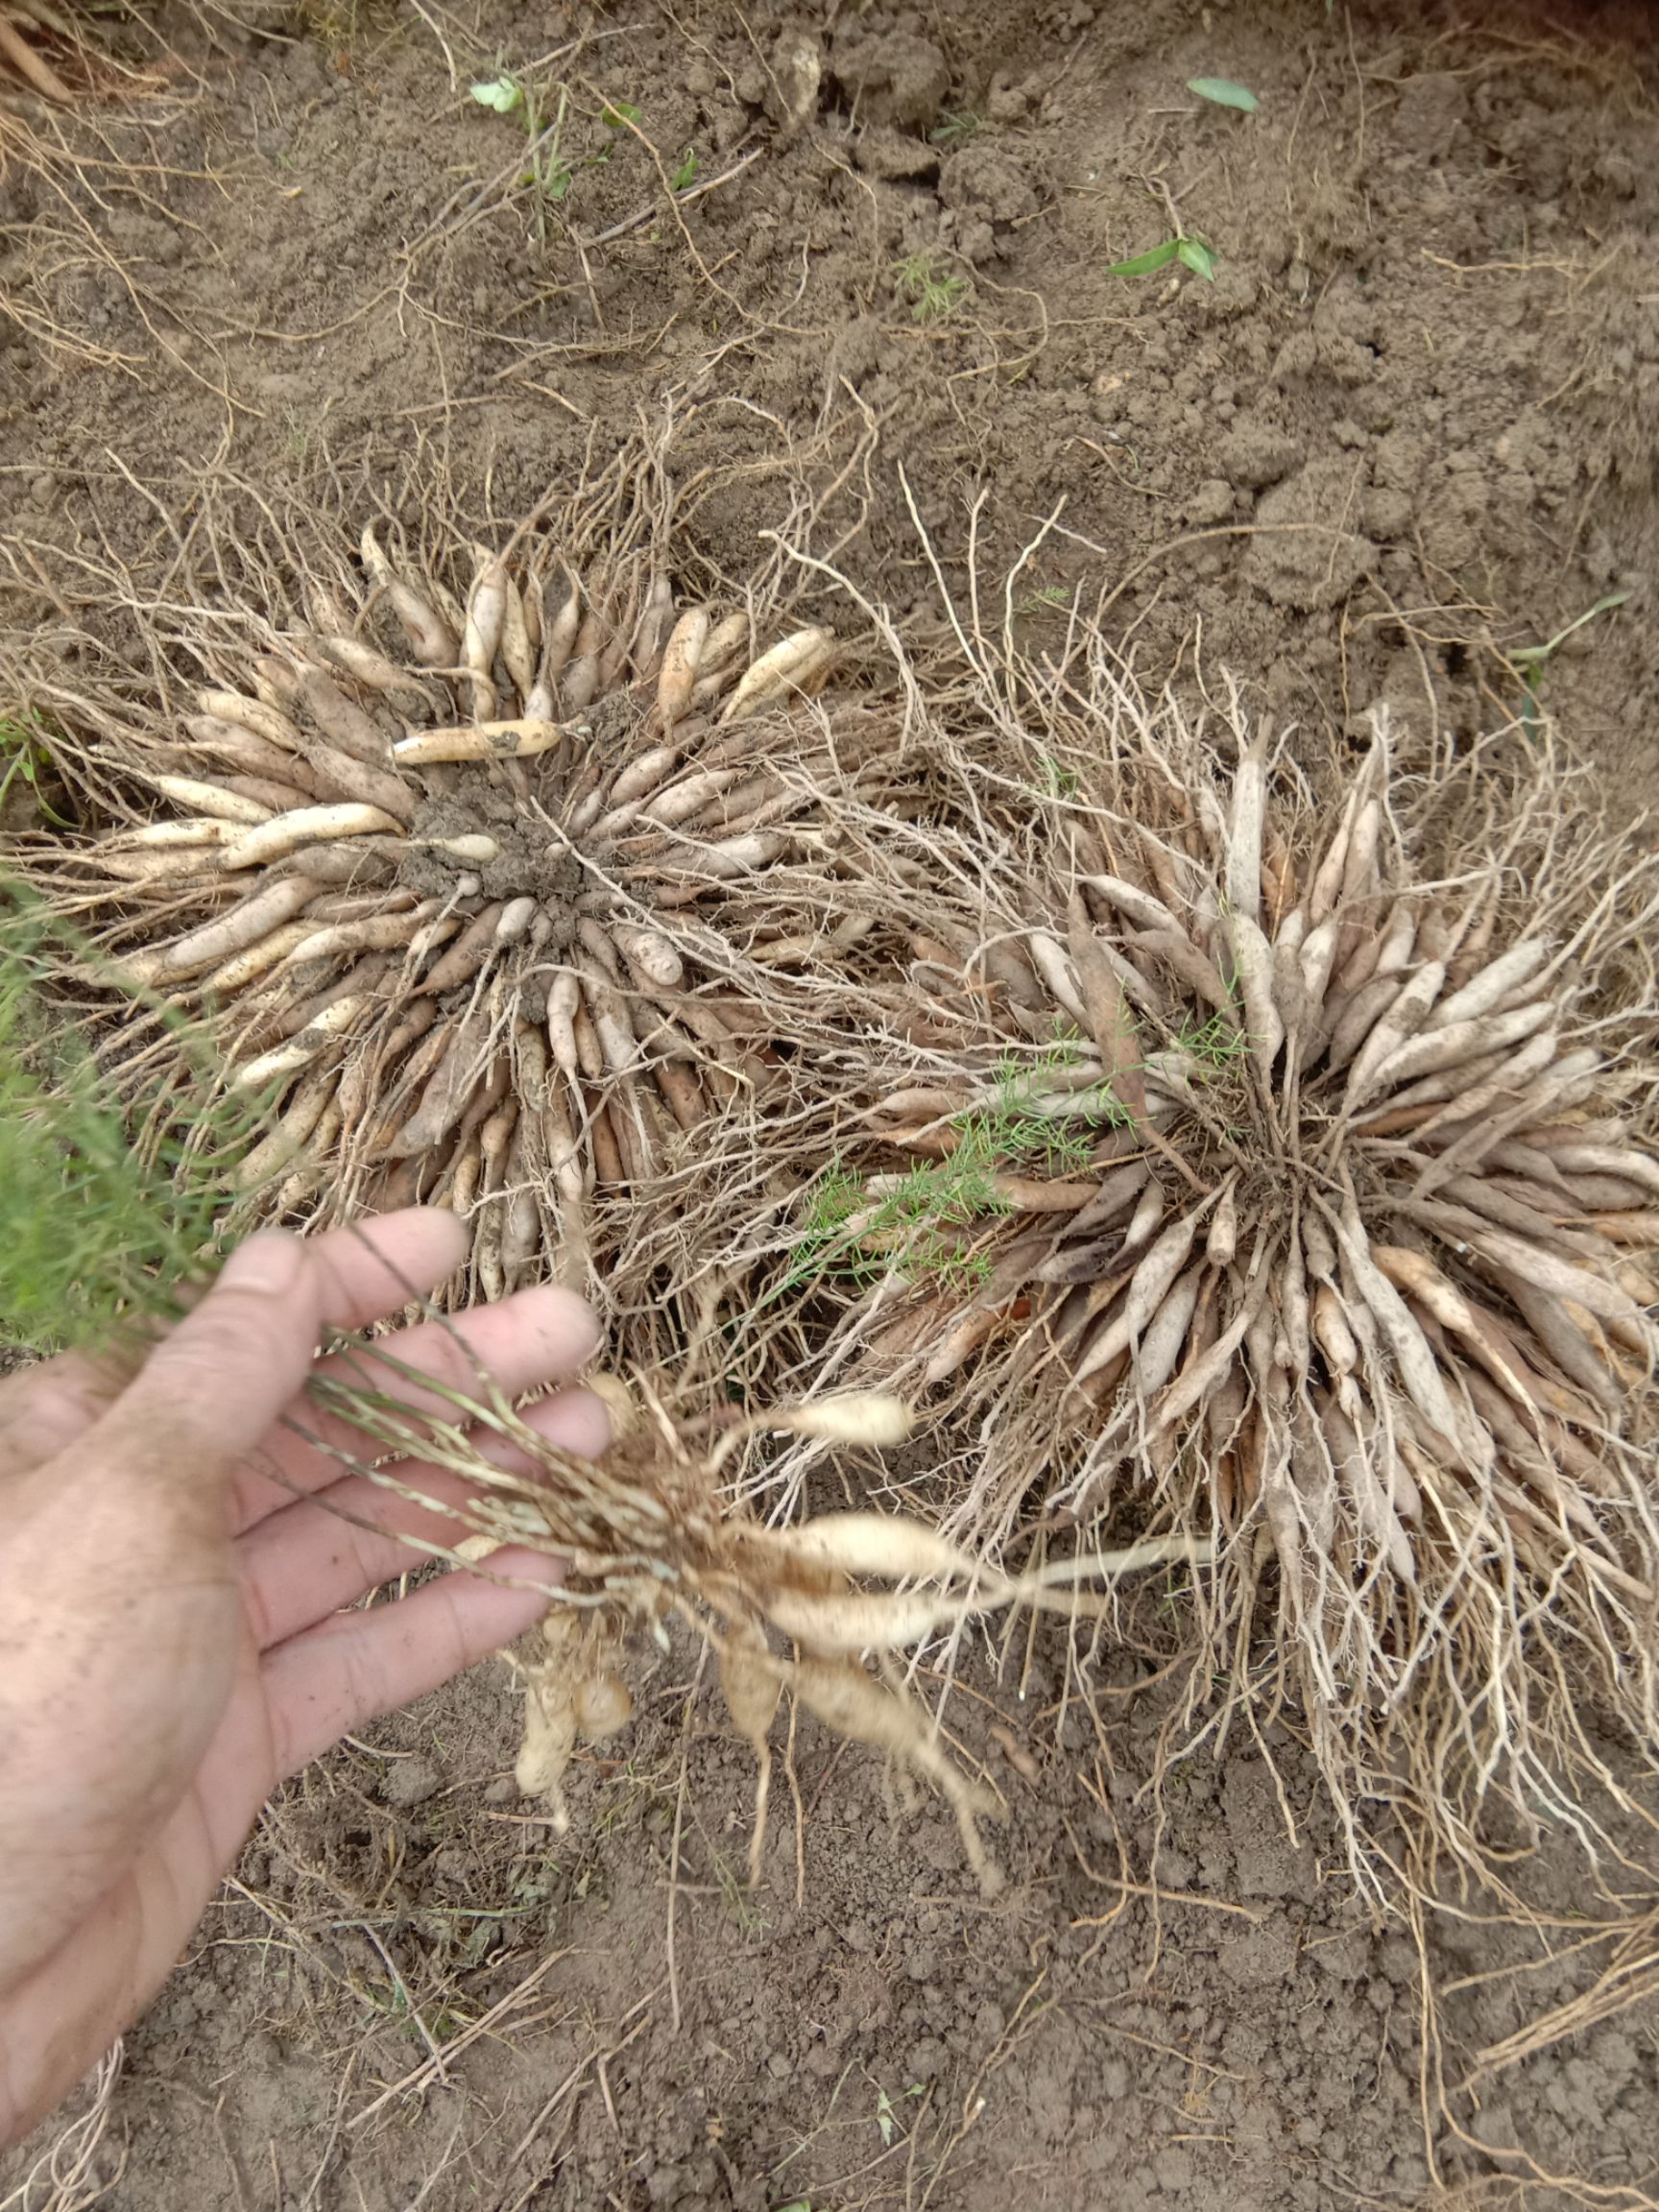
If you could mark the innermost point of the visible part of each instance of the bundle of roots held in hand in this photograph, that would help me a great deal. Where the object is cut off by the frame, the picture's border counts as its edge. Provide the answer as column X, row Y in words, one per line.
column 455, row 874
column 652, row 1535
column 1276, row 1158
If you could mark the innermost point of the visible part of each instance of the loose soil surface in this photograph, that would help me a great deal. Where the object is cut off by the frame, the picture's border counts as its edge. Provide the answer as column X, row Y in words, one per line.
column 1408, row 429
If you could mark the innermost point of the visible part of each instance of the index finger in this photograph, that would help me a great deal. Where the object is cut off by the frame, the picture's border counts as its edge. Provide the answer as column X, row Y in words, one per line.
column 537, row 1337
column 371, row 1268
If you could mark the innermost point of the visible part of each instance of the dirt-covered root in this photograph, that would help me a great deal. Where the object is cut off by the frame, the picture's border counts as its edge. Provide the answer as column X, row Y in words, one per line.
column 47, row 55
column 24, row 62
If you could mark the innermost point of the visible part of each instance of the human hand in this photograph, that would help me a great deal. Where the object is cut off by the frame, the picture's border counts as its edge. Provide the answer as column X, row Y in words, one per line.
column 172, row 1639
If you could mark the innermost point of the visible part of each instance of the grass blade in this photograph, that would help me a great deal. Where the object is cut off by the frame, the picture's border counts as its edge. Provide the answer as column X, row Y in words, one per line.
column 1144, row 264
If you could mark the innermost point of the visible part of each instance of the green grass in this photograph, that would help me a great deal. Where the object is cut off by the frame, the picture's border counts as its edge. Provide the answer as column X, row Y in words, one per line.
column 929, row 291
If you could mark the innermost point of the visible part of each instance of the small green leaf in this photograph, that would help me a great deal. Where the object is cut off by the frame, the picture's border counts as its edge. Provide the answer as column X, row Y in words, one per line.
column 1224, row 93
column 502, row 93
column 617, row 114
column 1528, row 661
column 956, row 128
column 1196, row 256
column 1144, row 264
column 686, row 172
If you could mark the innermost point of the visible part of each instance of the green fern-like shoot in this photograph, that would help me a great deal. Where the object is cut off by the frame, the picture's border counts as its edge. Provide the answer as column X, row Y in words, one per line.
column 110, row 1207
column 857, row 1236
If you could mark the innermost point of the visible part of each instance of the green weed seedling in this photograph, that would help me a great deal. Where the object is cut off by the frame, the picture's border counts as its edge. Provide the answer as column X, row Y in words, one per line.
column 931, row 293
column 24, row 758
column 1044, row 599
column 955, row 129
column 1192, row 253
column 686, row 174
column 1527, row 662
column 502, row 95
column 617, row 116
column 887, row 2112
column 1057, row 782
column 858, row 1237
column 1223, row 92
column 1218, row 1043
column 550, row 172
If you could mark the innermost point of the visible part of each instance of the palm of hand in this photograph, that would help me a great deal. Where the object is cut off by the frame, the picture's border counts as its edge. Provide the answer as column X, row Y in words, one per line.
column 172, row 1643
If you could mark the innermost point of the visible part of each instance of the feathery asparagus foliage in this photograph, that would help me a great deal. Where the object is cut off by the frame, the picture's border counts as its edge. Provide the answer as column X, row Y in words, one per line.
column 107, row 1209
column 858, row 1230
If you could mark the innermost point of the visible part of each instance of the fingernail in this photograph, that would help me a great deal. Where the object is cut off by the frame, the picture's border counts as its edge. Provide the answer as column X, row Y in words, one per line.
column 268, row 1264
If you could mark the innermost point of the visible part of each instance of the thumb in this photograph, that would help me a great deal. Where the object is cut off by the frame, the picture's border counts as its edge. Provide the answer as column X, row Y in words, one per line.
column 212, row 1389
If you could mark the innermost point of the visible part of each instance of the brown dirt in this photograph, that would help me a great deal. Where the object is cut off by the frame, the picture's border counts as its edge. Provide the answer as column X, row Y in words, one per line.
column 1408, row 428
column 1248, row 2038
